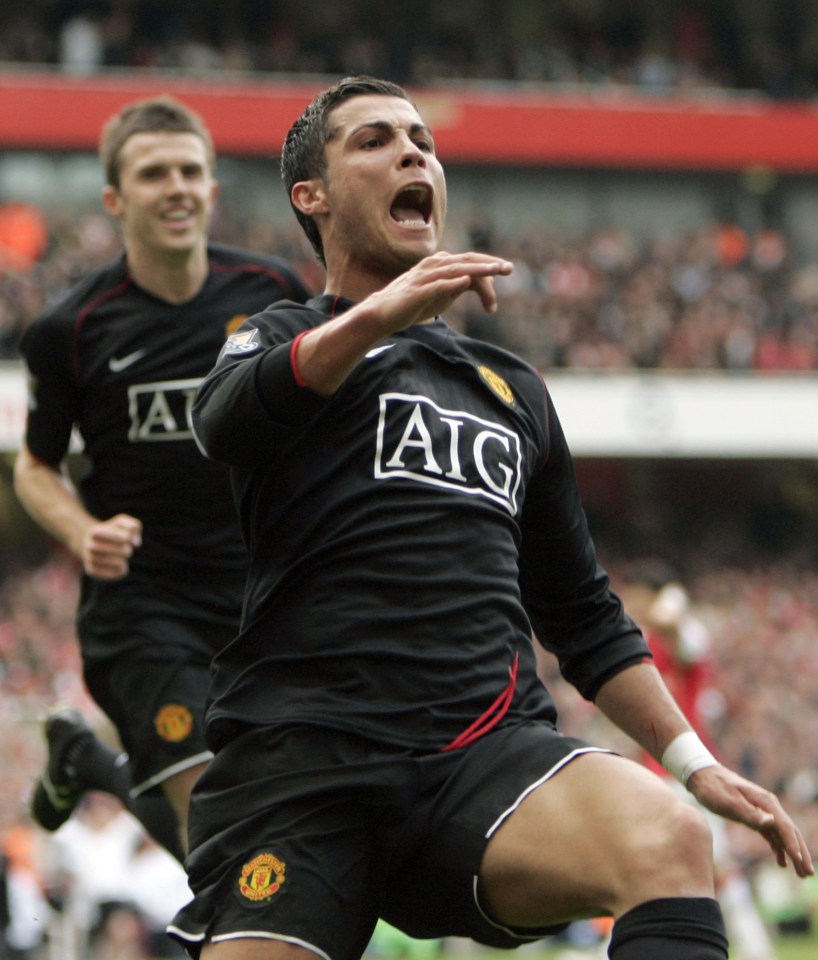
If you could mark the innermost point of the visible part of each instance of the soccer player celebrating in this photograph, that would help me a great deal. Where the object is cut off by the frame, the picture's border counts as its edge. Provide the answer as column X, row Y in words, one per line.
column 383, row 746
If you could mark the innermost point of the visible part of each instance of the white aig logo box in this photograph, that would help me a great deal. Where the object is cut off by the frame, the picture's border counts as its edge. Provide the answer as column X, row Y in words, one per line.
column 162, row 410
column 447, row 448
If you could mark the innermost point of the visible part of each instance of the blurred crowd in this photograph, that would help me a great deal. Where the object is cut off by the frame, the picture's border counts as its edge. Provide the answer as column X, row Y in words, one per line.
column 99, row 886
column 714, row 297
column 688, row 46
column 710, row 298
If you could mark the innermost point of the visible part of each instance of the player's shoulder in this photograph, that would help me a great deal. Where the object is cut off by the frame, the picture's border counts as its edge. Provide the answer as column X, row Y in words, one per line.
column 290, row 316
column 68, row 308
column 226, row 258
column 281, row 322
column 224, row 254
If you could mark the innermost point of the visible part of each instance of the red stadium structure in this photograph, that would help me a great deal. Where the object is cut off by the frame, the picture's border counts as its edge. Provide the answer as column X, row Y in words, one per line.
column 40, row 110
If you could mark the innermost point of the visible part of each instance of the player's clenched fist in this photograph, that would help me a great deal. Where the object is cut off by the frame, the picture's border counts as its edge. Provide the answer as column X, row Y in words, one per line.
column 109, row 545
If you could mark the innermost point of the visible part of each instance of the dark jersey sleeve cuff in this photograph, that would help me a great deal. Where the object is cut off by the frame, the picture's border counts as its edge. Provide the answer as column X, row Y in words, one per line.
column 286, row 396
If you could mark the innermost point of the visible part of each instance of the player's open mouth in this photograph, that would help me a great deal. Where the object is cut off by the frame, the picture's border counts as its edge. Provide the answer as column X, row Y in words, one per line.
column 413, row 205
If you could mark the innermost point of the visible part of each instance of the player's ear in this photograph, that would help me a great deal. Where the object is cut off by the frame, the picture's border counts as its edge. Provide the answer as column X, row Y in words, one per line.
column 111, row 200
column 309, row 197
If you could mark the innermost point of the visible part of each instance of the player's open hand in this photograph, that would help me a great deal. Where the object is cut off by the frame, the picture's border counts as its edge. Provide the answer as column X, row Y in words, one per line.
column 327, row 353
column 108, row 546
column 432, row 285
column 726, row 793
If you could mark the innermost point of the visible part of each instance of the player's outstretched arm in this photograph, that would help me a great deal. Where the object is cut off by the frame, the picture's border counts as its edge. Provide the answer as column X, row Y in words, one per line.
column 328, row 354
column 638, row 702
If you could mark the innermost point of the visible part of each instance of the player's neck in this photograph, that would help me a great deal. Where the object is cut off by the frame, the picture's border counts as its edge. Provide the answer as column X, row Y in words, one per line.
column 348, row 278
column 175, row 277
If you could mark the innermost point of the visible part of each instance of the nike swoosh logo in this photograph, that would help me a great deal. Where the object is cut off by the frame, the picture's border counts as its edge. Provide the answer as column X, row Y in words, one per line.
column 376, row 350
column 117, row 364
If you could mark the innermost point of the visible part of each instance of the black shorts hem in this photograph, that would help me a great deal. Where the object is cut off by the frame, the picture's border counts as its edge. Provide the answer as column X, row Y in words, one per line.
column 193, row 942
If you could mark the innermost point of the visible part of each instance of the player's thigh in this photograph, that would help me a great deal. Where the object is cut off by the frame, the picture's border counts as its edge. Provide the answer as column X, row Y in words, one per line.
column 179, row 786
column 599, row 837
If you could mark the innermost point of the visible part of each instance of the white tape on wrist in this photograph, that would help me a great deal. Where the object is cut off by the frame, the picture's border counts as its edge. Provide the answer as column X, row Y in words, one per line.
column 685, row 755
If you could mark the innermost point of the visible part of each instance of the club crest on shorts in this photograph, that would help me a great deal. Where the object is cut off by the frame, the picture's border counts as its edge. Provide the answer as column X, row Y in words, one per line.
column 497, row 384
column 262, row 877
column 174, row 722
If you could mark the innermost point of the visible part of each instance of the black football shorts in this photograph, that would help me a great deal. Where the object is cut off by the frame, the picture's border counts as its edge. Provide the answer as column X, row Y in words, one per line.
column 308, row 835
column 154, row 694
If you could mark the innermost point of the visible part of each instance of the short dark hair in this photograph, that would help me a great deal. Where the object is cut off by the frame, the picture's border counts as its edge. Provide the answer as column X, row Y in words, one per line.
column 303, row 155
column 162, row 114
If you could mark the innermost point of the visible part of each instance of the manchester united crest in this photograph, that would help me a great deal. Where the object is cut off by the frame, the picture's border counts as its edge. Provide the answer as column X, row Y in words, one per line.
column 497, row 384
column 262, row 877
column 174, row 722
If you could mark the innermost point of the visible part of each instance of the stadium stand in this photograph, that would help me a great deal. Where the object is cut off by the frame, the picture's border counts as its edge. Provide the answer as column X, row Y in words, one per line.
column 733, row 44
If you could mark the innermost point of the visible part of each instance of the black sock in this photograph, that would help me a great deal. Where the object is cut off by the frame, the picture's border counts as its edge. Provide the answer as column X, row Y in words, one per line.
column 93, row 765
column 98, row 767
column 674, row 928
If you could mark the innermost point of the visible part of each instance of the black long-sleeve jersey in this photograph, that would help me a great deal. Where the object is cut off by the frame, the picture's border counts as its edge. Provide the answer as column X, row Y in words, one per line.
column 122, row 366
column 405, row 535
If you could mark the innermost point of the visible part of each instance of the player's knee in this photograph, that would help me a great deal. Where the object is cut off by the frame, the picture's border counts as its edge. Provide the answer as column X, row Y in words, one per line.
column 690, row 840
column 671, row 850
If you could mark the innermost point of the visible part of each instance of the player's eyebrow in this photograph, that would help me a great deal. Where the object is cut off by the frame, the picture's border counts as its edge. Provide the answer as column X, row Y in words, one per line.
column 387, row 127
column 162, row 166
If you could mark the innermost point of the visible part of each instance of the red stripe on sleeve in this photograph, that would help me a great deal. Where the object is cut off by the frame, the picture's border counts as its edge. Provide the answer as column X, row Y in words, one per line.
column 294, row 363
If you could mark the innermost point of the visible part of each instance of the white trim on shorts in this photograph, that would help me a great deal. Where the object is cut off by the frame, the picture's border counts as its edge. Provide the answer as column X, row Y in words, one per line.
column 519, row 932
column 138, row 789
column 247, row 935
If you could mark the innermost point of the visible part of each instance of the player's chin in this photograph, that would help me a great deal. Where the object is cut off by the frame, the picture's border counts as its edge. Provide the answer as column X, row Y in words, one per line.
column 410, row 252
column 182, row 244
